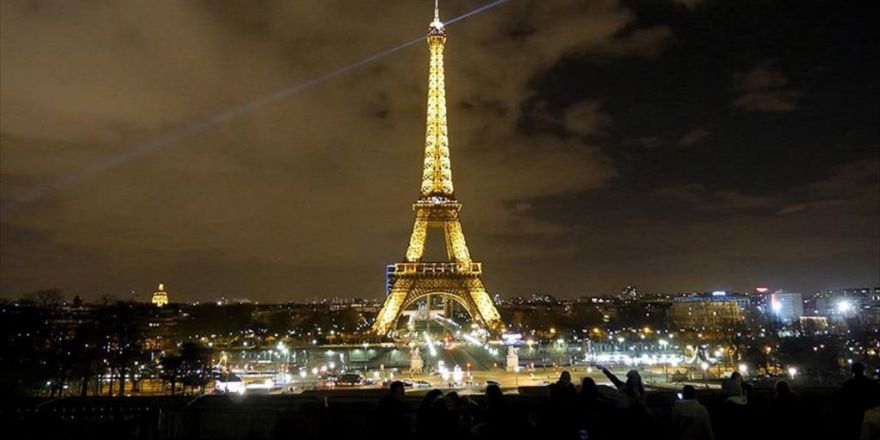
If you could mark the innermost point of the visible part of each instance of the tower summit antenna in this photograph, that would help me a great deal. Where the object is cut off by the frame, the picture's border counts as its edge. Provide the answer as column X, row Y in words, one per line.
column 436, row 26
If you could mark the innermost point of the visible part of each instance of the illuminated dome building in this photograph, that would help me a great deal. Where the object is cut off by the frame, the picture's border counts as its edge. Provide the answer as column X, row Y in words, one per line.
column 160, row 297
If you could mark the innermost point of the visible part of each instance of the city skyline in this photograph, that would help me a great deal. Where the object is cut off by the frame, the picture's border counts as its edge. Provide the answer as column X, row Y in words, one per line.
column 595, row 146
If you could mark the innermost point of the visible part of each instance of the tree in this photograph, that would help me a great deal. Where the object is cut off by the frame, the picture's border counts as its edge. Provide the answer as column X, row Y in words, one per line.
column 46, row 298
column 171, row 370
column 815, row 356
column 742, row 337
column 23, row 350
column 106, row 300
column 195, row 365
column 124, row 340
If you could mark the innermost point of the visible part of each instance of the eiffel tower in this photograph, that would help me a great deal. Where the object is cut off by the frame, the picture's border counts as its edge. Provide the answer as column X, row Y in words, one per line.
column 459, row 278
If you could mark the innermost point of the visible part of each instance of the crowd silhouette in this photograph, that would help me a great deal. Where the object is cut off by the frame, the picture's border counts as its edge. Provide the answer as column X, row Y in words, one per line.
column 594, row 412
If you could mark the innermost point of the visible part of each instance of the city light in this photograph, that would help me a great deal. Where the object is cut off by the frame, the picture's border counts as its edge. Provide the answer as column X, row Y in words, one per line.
column 430, row 344
column 743, row 368
column 775, row 305
column 457, row 374
column 844, row 306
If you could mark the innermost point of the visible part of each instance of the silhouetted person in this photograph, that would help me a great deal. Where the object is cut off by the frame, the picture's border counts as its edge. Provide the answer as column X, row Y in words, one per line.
column 559, row 419
column 459, row 414
column 496, row 421
column 635, row 420
column 594, row 410
column 733, row 419
column 392, row 413
column 856, row 396
column 632, row 389
column 690, row 420
column 871, row 424
column 735, row 389
column 563, row 392
column 786, row 416
column 426, row 422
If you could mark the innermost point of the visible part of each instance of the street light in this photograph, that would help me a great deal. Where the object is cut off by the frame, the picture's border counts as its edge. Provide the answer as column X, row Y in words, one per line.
column 743, row 368
column 283, row 349
column 792, row 371
column 663, row 344
column 705, row 367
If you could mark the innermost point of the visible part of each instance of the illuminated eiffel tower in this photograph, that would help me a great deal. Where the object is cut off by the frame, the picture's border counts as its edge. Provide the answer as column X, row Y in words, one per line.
column 459, row 278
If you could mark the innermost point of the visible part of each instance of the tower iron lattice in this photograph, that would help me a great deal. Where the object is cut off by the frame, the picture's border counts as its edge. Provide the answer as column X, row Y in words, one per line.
column 459, row 278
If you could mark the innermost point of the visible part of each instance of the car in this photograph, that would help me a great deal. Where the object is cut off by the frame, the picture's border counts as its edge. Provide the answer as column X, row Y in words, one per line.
column 422, row 384
column 351, row 379
column 492, row 382
column 407, row 383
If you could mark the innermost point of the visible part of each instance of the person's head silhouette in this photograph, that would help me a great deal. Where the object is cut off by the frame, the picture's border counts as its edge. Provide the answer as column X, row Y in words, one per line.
column 589, row 388
column 397, row 390
column 858, row 369
column 688, row 392
column 783, row 388
column 494, row 392
column 634, row 379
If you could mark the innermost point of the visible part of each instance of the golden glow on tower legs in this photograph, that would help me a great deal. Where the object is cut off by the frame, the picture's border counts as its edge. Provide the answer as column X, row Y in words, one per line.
column 417, row 241
column 455, row 243
column 392, row 307
column 488, row 312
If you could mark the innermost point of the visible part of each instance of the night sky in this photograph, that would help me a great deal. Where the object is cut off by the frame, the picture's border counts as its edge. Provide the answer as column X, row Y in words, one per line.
column 673, row 145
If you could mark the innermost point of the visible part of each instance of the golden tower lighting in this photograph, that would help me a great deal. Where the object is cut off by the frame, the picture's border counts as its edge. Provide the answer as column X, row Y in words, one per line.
column 459, row 277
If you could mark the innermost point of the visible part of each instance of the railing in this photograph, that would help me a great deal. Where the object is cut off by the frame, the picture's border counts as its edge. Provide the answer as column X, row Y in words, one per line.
column 437, row 268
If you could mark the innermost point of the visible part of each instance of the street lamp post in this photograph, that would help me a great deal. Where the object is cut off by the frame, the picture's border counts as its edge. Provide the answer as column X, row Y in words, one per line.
column 283, row 349
column 663, row 344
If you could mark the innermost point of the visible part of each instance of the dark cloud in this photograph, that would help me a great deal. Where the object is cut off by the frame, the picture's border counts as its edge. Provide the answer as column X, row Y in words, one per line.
column 694, row 136
column 764, row 89
column 594, row 144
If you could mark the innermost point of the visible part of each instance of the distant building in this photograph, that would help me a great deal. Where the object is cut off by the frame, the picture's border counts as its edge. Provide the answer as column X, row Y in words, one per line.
column 708, row 310
column 160, row 297
column 860, row 303
column 786, row 306
column 390, row 278
column 629, row 293
column 814, row 324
